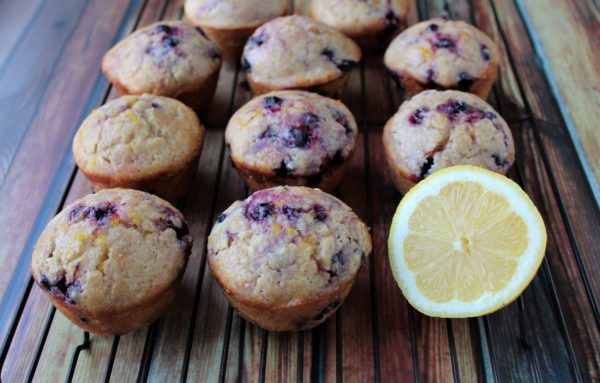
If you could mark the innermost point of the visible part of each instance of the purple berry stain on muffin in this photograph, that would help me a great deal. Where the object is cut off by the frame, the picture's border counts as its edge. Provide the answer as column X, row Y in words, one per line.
column 439, row 40
column 168, row 38
column 465, row 81
column 341, row 119
column 499, row 160
column 259, row 212
column 221, row 217
column 257, row 39
column 246, row 65
column 76, row 212
column 343, row 65
column 426, row 167
column 454, row 109
column 485, row 52
column 297, row 137
column 176, row 223
column 444, row 42
column 100, row 214
column 169, row 41
column 272, row 103
column 416, row 118
column 319, row 212
column 267, row 133
column 303, row 133
column 61, row 288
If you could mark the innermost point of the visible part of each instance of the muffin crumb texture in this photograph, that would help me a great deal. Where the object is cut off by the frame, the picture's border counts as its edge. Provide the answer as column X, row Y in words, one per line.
column 230, row 14
column 166, row 58
column 292, row 134
column 297, row 52
column 370, row 23
column 437, row 129
column 443, row 54
column 111, row 251
column 286, row 247
column 137, row 137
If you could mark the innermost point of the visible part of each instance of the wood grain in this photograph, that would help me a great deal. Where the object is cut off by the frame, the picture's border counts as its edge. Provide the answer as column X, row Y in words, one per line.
column 568, row 32
column 551, row 333
column 30, row 201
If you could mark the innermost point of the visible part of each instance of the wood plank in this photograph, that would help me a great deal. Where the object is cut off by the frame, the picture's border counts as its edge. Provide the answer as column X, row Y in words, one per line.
column 468, row 355
column 355, row 316
column 171, row 342
column 281, row 363
column 27, row 72
column 42, row 167
column 396, row 343
column 233, row 368
column 569, row 182
column 102, row 345
column 568, row 32
column 128, row 357
column 210, row 326
column 99, row 354
column 581, row 326
column 18, row 16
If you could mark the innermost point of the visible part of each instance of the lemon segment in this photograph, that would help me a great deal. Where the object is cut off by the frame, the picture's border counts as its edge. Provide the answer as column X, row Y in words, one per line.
column 465, row 242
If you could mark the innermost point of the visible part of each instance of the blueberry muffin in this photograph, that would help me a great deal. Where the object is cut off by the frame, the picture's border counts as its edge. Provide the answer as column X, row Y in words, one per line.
column 145, row 142
column 438, row 129
column 112, row 262
column 230, row 22
column 443, row 54
column 291, row 138
column 287, row 257
column 295, row 52
column 168, row 58
column 372, row 24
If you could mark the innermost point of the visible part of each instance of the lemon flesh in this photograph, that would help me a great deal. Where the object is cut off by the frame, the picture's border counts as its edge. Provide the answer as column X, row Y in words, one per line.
column 465, row 242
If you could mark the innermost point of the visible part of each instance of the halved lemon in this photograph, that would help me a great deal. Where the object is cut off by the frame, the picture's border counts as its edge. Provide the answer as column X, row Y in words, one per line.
column 465, row 242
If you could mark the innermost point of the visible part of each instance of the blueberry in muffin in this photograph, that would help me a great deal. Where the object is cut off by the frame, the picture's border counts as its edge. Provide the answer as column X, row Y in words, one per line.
column 296, row 52
column 168, row 58
column 438, row 129
column 112, row 262
column 229, row 23
column 292, row 138
column 287, row 257
column 443, row 54
column 372, row 24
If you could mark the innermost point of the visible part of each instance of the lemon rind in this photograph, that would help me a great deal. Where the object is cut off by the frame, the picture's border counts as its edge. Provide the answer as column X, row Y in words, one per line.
column 527, row 266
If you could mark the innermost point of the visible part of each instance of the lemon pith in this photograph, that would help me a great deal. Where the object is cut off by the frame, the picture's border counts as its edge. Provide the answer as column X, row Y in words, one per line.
column 465, row 242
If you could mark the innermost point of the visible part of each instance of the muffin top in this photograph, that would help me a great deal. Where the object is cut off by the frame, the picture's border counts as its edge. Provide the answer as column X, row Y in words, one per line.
column 111, row 250
column 291, row 133
column 135, row 137
column 287, row 245
column 296, row 51
column 230, row 14
column 353, row 17
column 442, row 52
column 167, row 58
column 437, row 129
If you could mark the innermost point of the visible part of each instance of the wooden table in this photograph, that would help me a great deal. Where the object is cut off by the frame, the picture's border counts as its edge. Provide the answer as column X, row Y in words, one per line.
column 549, row 92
